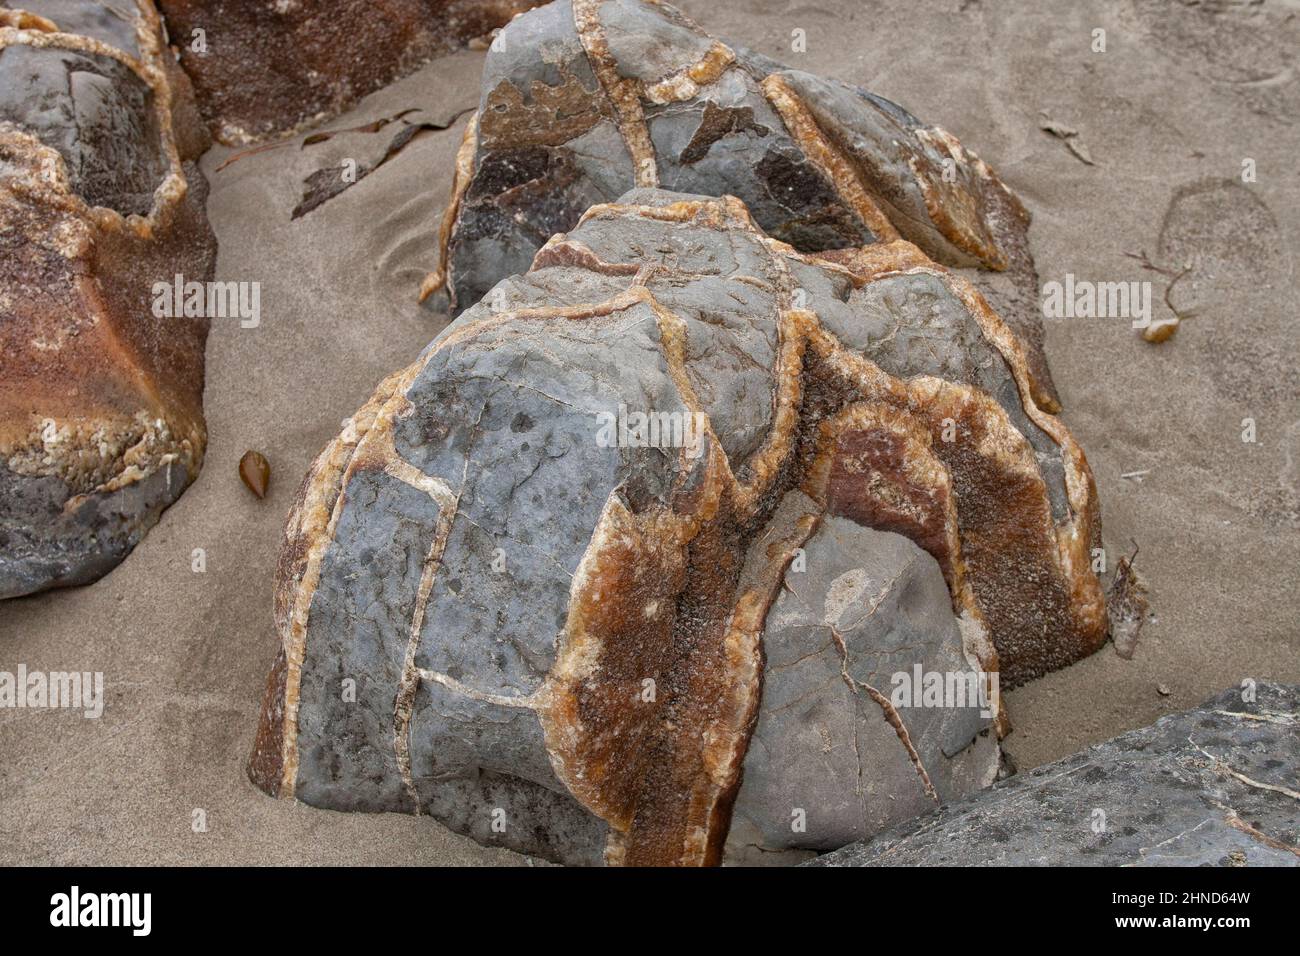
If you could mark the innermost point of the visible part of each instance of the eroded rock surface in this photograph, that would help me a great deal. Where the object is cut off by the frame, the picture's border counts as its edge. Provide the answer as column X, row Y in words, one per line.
column 584, row 99
column 263, row 68
column 831, row 750
column 1214, row 786
column 101, row 415
column 508, row 602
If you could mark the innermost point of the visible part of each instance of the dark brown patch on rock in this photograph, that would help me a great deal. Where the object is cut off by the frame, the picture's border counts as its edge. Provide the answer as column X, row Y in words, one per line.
column 716, row 123
column 268, row 68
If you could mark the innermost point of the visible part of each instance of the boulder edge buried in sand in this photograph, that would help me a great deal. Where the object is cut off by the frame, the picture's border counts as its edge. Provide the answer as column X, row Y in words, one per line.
column 101, row 400
column 1212, row 786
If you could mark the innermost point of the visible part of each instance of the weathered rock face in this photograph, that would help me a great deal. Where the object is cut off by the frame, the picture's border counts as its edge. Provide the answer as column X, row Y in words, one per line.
column 101, row 415
column 531, row 588
column 584, row 99
column 831, row 755
column 1214, row 786
column 267, row 67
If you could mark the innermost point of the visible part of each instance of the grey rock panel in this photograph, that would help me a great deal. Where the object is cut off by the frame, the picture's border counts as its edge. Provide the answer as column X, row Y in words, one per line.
column 361, row 613
column 869, row 606
column 96, row 113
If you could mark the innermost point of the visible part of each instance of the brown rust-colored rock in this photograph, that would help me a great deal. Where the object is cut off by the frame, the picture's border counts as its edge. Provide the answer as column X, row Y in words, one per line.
column 265, row 68
column 101, row 416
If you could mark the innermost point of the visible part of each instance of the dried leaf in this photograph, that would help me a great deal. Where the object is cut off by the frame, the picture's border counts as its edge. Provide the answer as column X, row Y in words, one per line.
column 1075, row 145
column 1059, row 130
column 1068, row 135
column 374, row 126
column 1127, row 607
column 320, row 137
column 249, row 152
column 324, row 184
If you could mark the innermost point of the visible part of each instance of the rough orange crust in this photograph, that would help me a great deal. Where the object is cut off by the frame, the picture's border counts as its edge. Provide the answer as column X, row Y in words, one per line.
column 129, row 418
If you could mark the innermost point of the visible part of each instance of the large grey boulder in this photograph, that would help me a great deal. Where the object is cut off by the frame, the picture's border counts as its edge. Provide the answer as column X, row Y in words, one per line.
column 1214, row 786
column 676, row 502
column 585, row 99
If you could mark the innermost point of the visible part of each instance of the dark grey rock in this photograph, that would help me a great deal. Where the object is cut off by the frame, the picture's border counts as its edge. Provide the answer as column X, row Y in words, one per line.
column 44, row 544
column 1214, row 786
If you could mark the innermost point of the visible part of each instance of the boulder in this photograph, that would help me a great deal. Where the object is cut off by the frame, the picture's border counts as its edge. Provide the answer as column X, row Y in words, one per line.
column 675, row 503
column 585, row 99
column 101, row 398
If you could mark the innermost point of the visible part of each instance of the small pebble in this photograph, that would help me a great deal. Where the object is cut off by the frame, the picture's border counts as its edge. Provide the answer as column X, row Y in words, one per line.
column 255, row 472
column 1163, row 690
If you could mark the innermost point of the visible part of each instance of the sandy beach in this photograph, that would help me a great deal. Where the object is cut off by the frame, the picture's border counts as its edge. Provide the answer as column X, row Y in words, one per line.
column 1168, row 115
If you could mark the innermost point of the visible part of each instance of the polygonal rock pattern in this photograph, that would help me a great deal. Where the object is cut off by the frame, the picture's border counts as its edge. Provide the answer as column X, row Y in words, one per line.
column 263, row 68
column 1214, row 786
column 584, row 99
column 101, row 415
column 531, row 588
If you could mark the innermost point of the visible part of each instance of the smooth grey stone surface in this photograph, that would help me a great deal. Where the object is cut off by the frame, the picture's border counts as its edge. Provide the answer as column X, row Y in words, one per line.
column 868, row 605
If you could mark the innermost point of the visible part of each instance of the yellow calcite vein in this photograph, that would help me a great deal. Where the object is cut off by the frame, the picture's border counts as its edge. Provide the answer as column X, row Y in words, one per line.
column 624, row 94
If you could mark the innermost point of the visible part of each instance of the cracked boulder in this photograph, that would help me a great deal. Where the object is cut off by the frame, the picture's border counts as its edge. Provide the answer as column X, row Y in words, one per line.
column 265, row 68
column 1214, row 786
column 832, row 757
column 633, row 563
column 584, row 99
column 101, row 414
